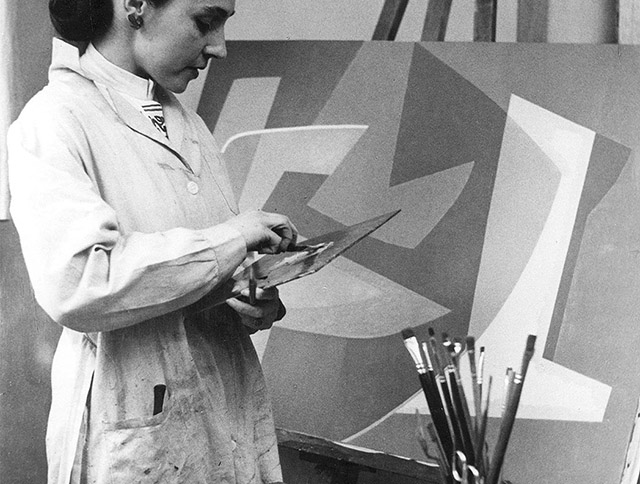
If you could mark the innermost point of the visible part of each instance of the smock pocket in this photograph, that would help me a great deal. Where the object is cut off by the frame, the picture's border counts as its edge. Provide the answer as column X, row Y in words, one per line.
column 173, row 446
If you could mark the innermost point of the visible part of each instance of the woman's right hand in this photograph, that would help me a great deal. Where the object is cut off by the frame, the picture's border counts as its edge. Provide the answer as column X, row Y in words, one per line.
column 265, row 232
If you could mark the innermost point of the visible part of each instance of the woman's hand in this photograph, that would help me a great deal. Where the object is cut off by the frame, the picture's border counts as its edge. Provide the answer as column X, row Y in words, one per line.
column 264, row 232
column 261, row 315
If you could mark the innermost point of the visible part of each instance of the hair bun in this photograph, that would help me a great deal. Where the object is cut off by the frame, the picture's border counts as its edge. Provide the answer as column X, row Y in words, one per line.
column 80, row 20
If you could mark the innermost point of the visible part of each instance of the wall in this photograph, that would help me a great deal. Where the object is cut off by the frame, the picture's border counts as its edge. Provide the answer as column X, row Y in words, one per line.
column 583, row 21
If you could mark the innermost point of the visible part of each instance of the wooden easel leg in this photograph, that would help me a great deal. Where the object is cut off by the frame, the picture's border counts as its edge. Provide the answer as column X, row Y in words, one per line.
column 484, row 21
column 390, row 18
column 435, row 23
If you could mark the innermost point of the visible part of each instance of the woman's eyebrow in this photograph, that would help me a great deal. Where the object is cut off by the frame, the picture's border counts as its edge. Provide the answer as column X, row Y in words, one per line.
column 217, row 12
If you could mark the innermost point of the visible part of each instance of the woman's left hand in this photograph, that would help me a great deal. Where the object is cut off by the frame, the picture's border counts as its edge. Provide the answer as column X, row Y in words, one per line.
column 259, row 316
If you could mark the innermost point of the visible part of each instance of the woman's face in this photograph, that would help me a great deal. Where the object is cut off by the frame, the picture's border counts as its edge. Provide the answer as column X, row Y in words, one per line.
column 179, row 38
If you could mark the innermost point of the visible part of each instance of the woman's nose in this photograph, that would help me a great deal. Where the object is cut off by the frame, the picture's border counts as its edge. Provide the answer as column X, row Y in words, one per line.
column 216, row 45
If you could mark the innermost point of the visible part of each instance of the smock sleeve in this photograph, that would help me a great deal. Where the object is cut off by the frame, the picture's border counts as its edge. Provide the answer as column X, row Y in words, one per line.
column 86, row 274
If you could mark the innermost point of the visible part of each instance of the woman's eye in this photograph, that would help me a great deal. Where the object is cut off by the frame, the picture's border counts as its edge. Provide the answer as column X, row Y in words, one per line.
column 207, row 24
column 203, row 25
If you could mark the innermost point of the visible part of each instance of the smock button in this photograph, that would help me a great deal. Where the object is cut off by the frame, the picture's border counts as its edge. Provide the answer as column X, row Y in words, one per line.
column 193, row 187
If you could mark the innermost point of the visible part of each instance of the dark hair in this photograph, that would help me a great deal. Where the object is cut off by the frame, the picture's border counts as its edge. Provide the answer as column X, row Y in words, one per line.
column 80, row 20
column 84, row 20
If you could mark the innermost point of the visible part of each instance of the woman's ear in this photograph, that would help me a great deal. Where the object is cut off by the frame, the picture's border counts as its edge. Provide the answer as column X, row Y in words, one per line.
column 137, row 7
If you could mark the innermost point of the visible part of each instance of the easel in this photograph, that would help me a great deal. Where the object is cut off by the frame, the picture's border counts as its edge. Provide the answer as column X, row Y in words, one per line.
column 327, row 462
column 436, row 20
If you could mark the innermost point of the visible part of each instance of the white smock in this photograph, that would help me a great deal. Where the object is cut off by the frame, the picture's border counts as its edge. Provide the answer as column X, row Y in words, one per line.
column 122, row 229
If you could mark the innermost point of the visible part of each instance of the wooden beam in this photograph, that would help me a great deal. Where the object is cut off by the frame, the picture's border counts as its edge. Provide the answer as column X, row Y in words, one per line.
column 533, row 18
column 344, row 462
column 628, row 22
column 484, row 21
column 390, row 18
column 435, row 23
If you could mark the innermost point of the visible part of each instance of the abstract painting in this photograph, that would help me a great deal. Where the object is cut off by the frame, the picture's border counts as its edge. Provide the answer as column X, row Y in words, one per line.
column 516, row 171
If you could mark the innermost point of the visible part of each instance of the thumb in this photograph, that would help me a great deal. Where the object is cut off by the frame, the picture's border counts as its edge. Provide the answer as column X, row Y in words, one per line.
column 271, row 243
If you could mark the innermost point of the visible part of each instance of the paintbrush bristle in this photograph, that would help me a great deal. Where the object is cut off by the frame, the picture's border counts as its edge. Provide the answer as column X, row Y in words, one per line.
column 412, row 345
column 408, row 333
column 528, row 354
column 531, row 342
column 471, row 344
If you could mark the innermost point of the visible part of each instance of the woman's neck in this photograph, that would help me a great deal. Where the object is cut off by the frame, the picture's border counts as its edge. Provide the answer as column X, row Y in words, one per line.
column 115, row 46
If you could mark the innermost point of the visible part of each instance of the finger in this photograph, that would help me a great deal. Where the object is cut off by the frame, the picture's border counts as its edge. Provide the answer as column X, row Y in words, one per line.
column 267, row 294
column 294, row 240
column 284, row 244
column 245, row 308
column 284, row 229
column 272, row 244
column 288, row 235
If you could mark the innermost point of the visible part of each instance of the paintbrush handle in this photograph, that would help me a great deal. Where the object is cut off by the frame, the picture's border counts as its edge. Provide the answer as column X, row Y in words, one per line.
column 444, row 463
column 456, row 397
column 451, row 411
column 482, row 431
column 438, row 415
column 465, row 405
column 506, row 426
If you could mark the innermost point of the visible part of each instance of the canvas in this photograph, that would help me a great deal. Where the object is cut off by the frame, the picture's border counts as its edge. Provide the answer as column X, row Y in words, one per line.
column 515, row 169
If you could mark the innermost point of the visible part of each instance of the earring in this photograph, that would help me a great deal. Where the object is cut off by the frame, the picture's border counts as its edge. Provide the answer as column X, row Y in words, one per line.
column 135, row 21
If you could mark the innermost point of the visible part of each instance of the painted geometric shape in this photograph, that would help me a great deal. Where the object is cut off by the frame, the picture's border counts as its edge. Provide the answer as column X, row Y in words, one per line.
column 335, row 382
column 350, row 301
column 305, row 149
column 608, row 159
column 526, row 183
column 246, row 107
column 405, row 134
column 564, row 148
column 551, row 391
column 301, row 93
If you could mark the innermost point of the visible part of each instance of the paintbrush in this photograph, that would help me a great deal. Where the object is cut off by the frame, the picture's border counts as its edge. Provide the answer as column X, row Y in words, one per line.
column 508, row 419
column 528, row 354
column 441, row 403
column 253, row 283
column 439, row 414
column 450, row 352
column 477, row 396
column 457, row 348
column 461, row 411
column 509, row 377
column 433, row 344
column 440, row 360
column 454, row 348
column 481, row 457
column 480, row 379
column 430, row 389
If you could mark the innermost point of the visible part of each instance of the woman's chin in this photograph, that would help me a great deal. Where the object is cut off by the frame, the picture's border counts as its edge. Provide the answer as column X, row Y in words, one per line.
column 179, row 83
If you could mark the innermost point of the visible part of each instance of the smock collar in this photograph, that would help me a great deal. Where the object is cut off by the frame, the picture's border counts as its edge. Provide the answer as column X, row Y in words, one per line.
column 103, row 71
column 87, row 61
column 73, row 56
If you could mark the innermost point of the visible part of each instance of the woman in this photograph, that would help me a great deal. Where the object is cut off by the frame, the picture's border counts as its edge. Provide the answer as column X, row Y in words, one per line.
column 126, row 219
